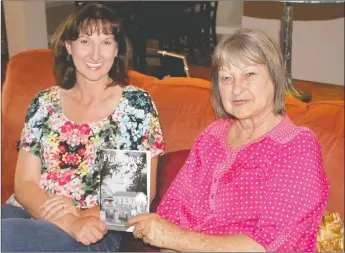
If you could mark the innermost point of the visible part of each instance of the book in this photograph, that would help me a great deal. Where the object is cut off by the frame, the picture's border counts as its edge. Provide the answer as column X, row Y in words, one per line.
column 124, row 186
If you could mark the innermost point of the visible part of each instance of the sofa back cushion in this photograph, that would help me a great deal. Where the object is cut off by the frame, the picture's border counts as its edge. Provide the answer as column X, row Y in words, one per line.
column 294, row 108
column 326, row 120
column 27, row 74
column 139, row 79
column 184, row 106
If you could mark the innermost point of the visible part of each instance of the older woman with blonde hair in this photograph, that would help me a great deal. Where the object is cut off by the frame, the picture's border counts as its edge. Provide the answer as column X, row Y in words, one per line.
column 253, row 181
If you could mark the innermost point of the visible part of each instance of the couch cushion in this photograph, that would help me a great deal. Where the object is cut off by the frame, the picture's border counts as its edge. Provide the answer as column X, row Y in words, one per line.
column 326, row 120
column 23, row 80
column 168, row 167
column 139, row 79
column 184, row 107
column 295, row 108
column 326, row 115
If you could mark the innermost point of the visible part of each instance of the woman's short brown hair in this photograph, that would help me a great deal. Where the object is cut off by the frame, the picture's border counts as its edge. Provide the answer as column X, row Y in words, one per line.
column 247, row 46
column 89, row 18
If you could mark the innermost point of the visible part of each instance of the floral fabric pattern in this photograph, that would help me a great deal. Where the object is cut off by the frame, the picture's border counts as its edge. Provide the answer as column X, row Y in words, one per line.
column 68, row 150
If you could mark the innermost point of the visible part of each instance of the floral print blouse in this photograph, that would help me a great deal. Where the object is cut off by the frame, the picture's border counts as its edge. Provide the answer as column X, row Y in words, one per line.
column 68, row 150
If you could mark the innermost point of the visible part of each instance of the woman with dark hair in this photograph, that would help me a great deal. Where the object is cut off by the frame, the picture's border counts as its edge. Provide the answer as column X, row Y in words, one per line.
column 55, row 205
column 253, row 181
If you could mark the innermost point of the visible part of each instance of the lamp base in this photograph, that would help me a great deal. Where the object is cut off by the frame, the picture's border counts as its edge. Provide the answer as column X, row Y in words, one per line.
column 299, row 94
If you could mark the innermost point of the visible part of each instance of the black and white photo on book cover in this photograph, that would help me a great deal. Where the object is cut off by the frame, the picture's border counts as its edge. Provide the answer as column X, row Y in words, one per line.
column 124, row 186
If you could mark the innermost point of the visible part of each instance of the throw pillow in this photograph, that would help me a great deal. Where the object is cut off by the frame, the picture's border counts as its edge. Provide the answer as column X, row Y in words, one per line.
column 330, row 236
column 169, row 166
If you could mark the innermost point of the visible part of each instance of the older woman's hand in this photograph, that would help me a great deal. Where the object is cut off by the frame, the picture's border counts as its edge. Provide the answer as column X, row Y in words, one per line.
column 58, row 206
column 155, row 230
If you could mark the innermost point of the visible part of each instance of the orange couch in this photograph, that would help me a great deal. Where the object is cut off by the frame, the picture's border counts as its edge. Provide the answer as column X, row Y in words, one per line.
column 184, row 108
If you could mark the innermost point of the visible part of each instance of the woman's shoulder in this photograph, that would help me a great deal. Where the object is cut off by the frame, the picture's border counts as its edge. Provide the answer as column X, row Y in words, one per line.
column 137, row 97
column 305, row 136
column 45, row 98
column 130, row 91
column 48, row 94
column 289, row 133
column 42, row 104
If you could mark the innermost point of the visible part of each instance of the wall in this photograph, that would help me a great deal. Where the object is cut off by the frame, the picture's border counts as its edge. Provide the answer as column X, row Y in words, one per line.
column 25, row 25
column 229, row 16
column 317, row 39
column 318, row 36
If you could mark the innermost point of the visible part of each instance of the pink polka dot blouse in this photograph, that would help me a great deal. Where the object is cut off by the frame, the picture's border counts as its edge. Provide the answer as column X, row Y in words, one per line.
column 274, row 189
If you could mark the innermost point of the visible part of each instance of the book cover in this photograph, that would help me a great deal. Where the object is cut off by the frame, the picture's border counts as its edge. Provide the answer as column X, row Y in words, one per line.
column 124, row 186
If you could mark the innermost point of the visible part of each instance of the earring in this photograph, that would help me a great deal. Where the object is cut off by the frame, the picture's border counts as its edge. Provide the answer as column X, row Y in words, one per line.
column 68, row 57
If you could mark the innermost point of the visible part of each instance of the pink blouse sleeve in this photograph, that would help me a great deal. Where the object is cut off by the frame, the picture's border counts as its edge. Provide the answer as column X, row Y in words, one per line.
column 296, row 198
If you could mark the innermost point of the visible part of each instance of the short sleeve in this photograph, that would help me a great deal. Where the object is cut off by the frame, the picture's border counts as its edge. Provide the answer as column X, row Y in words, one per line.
column 152, row 133
column 30, row 139
column 297, row 193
